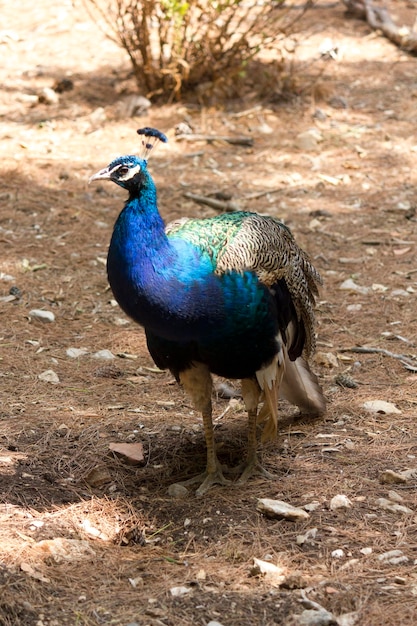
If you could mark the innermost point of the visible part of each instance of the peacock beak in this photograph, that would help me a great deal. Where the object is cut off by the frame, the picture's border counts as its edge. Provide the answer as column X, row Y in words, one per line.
column 103, row 174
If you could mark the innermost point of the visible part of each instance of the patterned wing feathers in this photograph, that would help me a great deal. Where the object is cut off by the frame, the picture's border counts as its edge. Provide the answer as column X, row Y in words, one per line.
column 267, row 247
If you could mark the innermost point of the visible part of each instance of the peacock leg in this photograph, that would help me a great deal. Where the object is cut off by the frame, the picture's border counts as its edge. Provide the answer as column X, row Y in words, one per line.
column 251, row 393
column 197, row 382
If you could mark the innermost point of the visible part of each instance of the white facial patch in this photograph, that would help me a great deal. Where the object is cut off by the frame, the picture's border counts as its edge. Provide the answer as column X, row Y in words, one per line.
column 132, row 171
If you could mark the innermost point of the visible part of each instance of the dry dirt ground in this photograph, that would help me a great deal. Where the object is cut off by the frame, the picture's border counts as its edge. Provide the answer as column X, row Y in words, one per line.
column 87, row 539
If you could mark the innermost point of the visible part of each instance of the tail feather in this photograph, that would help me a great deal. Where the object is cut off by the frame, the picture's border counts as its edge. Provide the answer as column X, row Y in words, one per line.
column 269, row 380
column 300, row 386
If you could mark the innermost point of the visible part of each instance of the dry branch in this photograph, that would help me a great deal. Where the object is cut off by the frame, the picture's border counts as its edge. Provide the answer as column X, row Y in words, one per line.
column 407, row 361
column 212, row 202
column 236, row 141
column 378, row 18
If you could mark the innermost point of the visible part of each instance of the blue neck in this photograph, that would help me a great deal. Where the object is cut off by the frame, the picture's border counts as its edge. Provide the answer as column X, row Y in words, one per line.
column 151, row 275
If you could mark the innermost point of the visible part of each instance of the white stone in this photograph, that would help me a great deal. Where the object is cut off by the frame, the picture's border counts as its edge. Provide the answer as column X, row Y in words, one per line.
column 104, row 355
column 74, row 353
column 337, row 554
column 43, row 316
column 380, row 406
column 49, row 376
column 350, row 285
column 394, row 507
column 280, row 509
column 340, row 502
column 177, row 592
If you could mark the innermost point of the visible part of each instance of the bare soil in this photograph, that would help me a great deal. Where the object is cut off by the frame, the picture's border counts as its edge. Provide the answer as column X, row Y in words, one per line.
column 350, row 201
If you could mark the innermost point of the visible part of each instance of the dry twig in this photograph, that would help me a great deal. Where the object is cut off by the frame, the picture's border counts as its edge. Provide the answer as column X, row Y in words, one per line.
column 212, row 202
column 407, row 361
column 378, row 18
column 236, row 141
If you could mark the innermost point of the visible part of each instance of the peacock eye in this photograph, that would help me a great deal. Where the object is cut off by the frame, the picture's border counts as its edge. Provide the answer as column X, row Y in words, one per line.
column 123, row 170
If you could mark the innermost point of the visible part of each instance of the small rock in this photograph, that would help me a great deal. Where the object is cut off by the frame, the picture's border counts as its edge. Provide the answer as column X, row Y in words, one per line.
column 395, row 293
column 340, row 502
column 177, row 592
column 393, row 507
column 389, row 477
column 380, row 406
column 177, row 491
column 307, row 538
column 338, row 102
column 74, row 353
column 104, row 355
column 326, row 359
column 350, row 285
column 133, row 105
column 348, row 619
column 309, row 139
column 311, row 617
column 98, row 476
column 281, row 510
column 395, row 497
column 366, row 551
column 214, row 623
column 311, row 506
column 132, row 453
column 393, row 557
column 48, row 96
column 49, row 376
column 272, row 573
column 43, row 316
column 337, row 554
column 136, row 582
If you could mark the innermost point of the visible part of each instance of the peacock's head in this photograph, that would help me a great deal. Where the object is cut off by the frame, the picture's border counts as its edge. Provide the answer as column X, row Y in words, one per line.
column 125, row 171
column 130, row 171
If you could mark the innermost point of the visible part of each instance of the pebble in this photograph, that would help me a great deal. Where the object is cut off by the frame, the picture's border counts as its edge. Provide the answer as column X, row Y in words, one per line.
column 177, row 491
column 394, row 496
column 326, row 359
column 394, row 507
column 104, row 355
column 308, row 537
column 177, row 592
column 380, row 406
column 340, row 502
column 214, row 623
column 350, row 285
column 49, row 376
column 337, row 554
column 272, row 573
column 48, row 96
column 280, row 509
column 309, row 139
column 42, row 315
column 74, row 353
column 389, row 477
column 311, row 617
column 393, row 557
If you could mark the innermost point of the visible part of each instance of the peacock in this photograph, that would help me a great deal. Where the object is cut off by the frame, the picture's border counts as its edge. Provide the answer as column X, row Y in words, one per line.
column 231, row 295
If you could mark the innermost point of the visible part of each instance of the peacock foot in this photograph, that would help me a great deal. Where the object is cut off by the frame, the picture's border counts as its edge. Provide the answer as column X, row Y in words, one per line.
column 207, row 480
column 252, row 467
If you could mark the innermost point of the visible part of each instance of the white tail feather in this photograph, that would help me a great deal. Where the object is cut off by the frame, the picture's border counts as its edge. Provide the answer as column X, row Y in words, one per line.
column 300, row 387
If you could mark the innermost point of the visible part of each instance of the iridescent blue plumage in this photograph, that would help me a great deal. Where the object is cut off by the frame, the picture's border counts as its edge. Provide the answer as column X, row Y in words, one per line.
column 230, row 295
